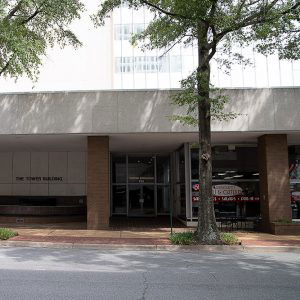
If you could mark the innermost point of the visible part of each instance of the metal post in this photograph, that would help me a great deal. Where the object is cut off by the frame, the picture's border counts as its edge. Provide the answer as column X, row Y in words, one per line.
column 171, row 212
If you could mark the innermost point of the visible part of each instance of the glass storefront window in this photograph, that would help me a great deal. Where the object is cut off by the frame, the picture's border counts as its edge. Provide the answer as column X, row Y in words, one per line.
column 235, row 181
column 294, row 170
column 294, row 162
column 242, row 196
column 229, row 162
column 140, row 169
column 225, row 210
column 119, row 196
column 249, row 209
column 195, row 163
column 181, row 165
column 234, row 163
column 182, row 201
column 119, row 169
column 163, row 169
column 163, row 199
column 180, row 192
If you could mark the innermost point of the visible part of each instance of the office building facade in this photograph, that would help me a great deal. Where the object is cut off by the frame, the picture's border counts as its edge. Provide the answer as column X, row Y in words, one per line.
column 92, row 155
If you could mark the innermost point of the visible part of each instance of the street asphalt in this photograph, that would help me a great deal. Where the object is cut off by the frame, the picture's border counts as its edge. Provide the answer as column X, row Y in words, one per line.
column 44, row 273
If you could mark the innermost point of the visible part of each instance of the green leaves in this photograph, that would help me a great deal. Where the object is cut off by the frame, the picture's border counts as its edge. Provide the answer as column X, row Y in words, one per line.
column 28, row 27
column 272, row 25
column 104, row 11
column 216, row 27
column 189, row 99
column 161, row 33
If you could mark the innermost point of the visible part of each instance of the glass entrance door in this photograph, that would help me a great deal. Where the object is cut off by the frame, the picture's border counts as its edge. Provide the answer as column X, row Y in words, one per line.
column 141, row 200
column 140, row 184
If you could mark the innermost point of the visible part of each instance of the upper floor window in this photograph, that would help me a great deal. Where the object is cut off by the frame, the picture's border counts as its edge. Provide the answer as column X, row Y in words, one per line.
column 151, row 64
column 125, row 31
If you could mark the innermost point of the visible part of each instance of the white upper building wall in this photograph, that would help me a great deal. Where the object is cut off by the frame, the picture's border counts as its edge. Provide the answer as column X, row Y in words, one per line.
column 180, row 61
column 148, row 111
column 85, row 68
column 106, row 51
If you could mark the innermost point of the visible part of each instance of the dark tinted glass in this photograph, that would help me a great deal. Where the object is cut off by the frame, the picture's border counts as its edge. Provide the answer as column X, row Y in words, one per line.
column 163, row 199
column 119, row 169
column 140, row 169
column 119, row 199
column 163, row 169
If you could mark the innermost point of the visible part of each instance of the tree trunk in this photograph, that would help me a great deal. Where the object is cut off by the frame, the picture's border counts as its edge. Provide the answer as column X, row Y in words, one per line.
column 207, row 231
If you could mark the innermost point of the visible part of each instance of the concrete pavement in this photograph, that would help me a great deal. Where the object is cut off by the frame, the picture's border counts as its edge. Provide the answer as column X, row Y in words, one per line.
column 35, row 273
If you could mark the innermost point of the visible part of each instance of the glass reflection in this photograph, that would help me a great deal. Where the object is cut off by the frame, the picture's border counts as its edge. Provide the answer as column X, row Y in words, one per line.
column 140, row 169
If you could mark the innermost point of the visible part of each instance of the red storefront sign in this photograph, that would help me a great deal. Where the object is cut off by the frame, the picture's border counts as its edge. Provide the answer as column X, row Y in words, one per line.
column 238, row 198
column 225, row 193
column 295, row 196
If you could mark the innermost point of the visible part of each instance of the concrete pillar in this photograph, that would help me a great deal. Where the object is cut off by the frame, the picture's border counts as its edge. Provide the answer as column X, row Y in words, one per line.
column 275, row 200
column 98, row 182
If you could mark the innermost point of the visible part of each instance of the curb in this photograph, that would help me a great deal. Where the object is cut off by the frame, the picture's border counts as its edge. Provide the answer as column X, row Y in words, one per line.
column 170, row 248
column 194, row 248
column 76, row 245
column 295, row 249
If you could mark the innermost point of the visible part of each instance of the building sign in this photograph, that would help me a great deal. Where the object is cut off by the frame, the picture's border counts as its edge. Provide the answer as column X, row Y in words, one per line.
column 225, row 193
column 141, row 179
column 295, row 190
column 57, row 173
column 295, row 196
column 227, row 190
column 39, row 179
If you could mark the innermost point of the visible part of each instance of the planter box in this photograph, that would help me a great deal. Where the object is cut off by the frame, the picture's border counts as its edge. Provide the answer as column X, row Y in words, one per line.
column 285, row 229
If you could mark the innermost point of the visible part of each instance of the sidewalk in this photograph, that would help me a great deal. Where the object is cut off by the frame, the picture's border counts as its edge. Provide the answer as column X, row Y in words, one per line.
column 137, row 237
column 256, row 239
column 115, row 237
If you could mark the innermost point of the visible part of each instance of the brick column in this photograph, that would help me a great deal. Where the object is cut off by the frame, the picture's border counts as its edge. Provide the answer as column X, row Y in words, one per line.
column 275, row 200
column 98, row 182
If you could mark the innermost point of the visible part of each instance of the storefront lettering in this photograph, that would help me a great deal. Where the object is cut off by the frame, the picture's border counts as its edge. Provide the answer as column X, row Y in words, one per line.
column 227, row 190
column 225, row 193
column 39, row 178
column 230, row 199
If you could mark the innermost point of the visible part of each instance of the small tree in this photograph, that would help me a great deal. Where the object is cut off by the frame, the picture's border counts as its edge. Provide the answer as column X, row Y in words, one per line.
column 28, row 27
column 215, row 26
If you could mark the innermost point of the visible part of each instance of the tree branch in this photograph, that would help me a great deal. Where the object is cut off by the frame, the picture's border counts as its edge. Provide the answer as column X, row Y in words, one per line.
column 5, row 67
column 174, row 44
column 168, row 13
column 36, row 12
column 213, row 9
column 213, row 44
column 257, row 18
column 31, row 17
column 241, row 6
column 212, row 52
column 13, row 11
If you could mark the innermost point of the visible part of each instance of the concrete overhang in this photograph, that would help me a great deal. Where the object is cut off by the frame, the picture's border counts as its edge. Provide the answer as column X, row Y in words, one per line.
column 134, row 143
column 139, row 119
